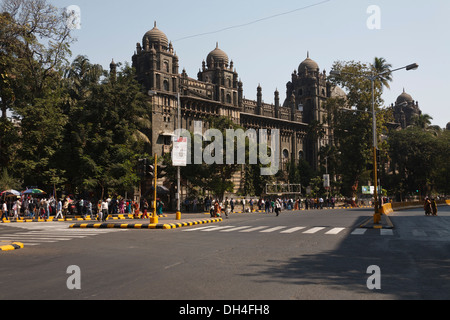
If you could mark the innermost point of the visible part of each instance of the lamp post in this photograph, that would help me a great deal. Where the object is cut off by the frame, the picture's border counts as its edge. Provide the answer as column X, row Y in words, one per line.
column 372, row 78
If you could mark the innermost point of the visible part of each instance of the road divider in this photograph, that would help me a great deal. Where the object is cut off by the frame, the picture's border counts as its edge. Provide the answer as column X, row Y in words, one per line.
column 161, row 226
column 10, row 246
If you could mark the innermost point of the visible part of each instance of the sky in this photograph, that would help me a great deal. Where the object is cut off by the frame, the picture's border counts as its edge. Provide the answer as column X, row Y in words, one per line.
column 267, row 40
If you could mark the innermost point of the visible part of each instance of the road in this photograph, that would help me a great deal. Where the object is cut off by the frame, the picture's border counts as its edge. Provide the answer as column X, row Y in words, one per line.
column 304, row 255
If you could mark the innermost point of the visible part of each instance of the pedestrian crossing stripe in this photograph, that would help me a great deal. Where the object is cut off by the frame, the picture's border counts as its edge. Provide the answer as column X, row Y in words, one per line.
column 266, row 229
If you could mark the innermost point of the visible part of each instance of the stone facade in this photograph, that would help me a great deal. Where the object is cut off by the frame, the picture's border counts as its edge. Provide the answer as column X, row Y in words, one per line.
column 405, row 110
column 217, row 91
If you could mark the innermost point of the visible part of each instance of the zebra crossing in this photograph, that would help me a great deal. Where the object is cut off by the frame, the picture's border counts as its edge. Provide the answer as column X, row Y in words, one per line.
column 50, row 232
column 311, row 230
column 270, row 229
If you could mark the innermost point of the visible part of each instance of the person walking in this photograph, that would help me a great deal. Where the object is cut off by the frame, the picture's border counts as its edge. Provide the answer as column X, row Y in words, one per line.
column 59, row 210
column 277, row 207
column 427, row 206
column 4, row 211
column 434, row 208
column 103, row 214
column 145, row 205
column 227, row 207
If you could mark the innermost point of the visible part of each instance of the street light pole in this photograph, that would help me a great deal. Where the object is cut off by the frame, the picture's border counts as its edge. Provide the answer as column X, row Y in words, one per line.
column 178, row 168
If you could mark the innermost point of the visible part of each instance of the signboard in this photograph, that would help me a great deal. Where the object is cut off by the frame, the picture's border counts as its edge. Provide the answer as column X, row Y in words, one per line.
column 326, row 180
column 365, row 190
column 370, row 190
column 179, row 152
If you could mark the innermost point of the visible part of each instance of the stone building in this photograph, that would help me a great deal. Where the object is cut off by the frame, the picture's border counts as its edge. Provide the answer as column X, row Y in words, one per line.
column 405, row 110
column 218, row 91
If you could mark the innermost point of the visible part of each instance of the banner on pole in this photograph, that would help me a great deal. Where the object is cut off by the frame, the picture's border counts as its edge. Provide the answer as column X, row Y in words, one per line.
column 179, row 152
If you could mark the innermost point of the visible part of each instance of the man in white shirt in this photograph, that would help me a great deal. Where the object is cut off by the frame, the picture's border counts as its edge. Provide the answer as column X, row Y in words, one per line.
column 5, row 211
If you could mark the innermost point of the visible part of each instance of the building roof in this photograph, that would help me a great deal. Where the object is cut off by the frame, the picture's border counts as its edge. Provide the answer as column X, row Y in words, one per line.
column 404, row 97
column 309, row 64
column 156, row 36
column 217, row 55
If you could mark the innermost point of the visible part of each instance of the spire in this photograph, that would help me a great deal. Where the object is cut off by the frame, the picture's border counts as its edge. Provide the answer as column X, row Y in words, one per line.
column 307, row 54
column 217, row 45
column 155, row 24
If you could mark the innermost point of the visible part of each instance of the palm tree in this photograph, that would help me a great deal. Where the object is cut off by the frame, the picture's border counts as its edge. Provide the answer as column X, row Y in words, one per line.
column 381, row 66
column 423, row 121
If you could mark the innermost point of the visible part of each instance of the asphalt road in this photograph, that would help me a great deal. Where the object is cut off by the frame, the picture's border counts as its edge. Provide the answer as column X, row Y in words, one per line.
column 296, row 256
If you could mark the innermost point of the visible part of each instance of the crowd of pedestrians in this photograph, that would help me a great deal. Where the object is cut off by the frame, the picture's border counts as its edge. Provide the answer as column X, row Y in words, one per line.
column 44, row 208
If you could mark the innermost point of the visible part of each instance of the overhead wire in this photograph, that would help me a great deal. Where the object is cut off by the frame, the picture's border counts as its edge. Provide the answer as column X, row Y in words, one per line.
column 254, row 21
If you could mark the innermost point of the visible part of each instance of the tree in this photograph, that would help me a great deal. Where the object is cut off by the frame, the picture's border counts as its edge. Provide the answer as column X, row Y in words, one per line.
column 414, row 155
column 352, row 122
column 380, row 66
column 35, row 44
column 104, row 149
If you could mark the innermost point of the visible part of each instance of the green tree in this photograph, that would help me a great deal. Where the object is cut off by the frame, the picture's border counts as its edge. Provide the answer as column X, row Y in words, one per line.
column 380, row 66
column 414, row 155
column 103, row 134
column 352, row 122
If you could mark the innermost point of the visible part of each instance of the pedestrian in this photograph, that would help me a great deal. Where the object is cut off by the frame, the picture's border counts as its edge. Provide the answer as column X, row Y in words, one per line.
column 227, row 207
column 88, row 205
column 59, row 210
column 159, row 207
column 433, row 207
column 427, row 206
column 4, row 211
column 145, row 206
column 277, row 207
column 217, row 208
column 232, row 205
column 103, row 214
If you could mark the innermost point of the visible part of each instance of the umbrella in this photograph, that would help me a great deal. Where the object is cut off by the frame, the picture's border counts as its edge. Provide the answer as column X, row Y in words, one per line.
column 34, row 191
column 159, row 190
column 10, row 193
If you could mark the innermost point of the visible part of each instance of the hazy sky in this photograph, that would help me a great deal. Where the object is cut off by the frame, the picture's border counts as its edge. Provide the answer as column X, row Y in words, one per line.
column 268, row 51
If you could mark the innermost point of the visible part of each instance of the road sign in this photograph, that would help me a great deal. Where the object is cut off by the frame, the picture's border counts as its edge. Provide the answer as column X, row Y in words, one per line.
column 179, row 152
column 326, row 180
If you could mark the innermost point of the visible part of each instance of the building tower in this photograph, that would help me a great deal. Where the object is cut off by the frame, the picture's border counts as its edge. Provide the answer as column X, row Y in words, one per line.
column 157, row 67
column 310, row 90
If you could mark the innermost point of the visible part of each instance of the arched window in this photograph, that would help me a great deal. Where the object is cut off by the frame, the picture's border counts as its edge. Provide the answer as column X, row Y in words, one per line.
column 166, row 85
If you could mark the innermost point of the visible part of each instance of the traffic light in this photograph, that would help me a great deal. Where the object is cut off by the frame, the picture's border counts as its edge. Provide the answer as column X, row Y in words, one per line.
column 162, row 171
column 150, row 170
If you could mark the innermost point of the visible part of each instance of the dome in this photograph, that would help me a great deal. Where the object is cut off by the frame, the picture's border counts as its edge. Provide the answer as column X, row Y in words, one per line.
column 404, row 97
column 309, row 64
column 154, row 36
column 448, row 126
column 217, row 55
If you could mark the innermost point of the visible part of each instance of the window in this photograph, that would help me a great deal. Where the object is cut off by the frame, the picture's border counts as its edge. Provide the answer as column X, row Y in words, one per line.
column 166, row 85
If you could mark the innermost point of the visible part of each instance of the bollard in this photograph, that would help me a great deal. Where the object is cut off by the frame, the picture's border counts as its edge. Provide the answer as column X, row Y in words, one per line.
column 178, row 215
column 154, row 220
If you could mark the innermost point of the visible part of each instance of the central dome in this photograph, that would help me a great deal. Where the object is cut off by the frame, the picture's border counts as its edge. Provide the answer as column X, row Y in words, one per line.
column 308, row 64
column 404, row 97
column 156, row 36
column 217, row 56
